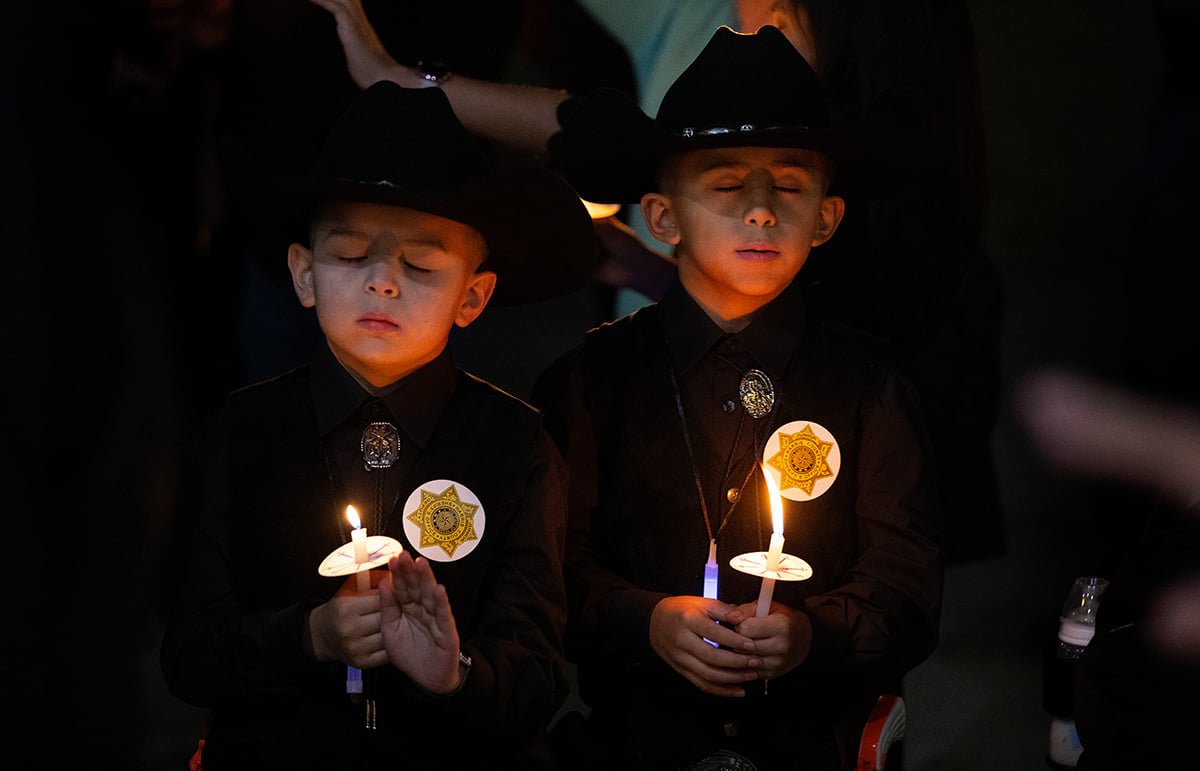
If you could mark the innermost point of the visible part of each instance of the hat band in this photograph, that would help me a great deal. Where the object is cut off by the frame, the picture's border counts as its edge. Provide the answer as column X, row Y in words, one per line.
column 744, row 128
column 374, row 182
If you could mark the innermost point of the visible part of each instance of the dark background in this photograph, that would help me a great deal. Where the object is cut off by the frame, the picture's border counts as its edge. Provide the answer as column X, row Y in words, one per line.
column 128, row 300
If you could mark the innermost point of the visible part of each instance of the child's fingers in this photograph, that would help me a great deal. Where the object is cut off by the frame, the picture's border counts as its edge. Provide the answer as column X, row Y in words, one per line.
column 762, row 627
column 412, row 580
column 363, row 606
column 723, row 636
column 719, row 682
column 373, row 659
column 443, row 612
column 719, row 658
column 404, row 579
column 427, row 584
column 368, row 651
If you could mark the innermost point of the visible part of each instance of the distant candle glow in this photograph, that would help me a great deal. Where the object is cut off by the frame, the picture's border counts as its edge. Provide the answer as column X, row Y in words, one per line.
column 599, row 211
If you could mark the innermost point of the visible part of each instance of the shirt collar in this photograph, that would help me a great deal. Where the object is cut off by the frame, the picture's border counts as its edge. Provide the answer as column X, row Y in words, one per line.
column 415, row 402
column 776, row 331
column 690, row 332
column 771, row 337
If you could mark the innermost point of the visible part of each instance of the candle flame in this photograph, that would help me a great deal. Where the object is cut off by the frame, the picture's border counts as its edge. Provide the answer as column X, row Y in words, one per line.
column 599, row 211
column 352, row 517
column 776, row 502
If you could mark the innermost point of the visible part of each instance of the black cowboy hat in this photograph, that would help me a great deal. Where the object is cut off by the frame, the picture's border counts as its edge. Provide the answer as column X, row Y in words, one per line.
column 742, row 90
column 405, row 147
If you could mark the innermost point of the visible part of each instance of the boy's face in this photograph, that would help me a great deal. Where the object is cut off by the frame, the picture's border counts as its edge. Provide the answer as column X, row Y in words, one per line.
column 742, row 221
column 388, row 284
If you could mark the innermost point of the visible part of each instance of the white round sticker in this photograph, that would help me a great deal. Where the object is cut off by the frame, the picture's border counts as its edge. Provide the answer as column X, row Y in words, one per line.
column 444, row 520
column 805, row 459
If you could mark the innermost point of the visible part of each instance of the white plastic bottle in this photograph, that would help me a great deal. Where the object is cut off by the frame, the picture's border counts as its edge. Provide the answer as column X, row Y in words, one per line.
column 1076, row 628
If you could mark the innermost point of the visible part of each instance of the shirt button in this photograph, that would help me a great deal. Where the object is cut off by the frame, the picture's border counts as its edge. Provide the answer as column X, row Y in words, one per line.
column 730, row 728
column 733, row 494
column 729, row 405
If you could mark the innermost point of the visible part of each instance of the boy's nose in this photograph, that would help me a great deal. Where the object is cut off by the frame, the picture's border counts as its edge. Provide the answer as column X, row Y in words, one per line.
column 761, row 215
column 381, row 282
column 384, row 288
column 758, row 198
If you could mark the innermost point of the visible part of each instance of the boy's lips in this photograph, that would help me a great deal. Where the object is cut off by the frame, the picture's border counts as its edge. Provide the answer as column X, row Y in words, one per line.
column 758, row 252
column 377, row 322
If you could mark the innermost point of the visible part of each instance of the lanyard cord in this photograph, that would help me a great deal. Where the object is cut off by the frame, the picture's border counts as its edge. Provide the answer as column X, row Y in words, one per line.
column 687, row 440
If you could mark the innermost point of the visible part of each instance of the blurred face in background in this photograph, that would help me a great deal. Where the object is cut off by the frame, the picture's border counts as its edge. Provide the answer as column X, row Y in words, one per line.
column 789, row 16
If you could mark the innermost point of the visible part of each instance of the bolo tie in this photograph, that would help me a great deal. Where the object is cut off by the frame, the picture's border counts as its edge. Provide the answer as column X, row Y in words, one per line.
column 756, row 392
column 380, row 448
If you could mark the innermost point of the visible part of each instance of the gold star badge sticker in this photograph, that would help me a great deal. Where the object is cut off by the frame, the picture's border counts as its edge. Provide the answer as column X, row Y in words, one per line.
column 444, row 519
column 801, row 459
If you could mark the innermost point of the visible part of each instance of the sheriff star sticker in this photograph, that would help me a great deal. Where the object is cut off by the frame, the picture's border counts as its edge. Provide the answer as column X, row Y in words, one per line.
column 807, row 458
column 441, row 519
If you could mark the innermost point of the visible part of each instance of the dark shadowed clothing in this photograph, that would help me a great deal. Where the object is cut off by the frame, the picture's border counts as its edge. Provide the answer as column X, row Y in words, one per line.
column 278, row 465
column 1134, row 702
column 636, row 532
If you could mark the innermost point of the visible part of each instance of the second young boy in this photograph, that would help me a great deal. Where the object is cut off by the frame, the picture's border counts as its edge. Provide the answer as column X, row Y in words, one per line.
column 669, row 417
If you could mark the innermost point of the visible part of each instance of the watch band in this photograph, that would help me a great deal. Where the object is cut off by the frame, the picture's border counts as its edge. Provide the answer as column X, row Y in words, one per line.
column 465, row 662
column 433, row 74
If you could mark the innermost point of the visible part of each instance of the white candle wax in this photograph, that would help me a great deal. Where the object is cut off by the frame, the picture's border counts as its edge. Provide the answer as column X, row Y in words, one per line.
column 775, row 549
column 358, row 537
column 764, row 597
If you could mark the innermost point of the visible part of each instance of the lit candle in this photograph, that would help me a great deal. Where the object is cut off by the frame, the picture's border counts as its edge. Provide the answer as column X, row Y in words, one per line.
column 775, row 549
column 358, row 536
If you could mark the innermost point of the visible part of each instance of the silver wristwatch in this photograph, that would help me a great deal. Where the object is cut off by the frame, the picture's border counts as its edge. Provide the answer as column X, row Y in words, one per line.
column 433, row 74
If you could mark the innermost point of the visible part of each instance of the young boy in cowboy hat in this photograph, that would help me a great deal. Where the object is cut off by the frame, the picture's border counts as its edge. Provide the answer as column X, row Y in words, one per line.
column 452, row 659
column 670, row 417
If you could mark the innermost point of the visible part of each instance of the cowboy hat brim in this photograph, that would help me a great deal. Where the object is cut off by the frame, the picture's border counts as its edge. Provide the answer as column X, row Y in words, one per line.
column 611, row 151
column 541, row 241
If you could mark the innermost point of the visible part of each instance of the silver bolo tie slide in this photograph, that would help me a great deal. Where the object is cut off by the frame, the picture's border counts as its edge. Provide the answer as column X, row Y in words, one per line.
column 757, row 392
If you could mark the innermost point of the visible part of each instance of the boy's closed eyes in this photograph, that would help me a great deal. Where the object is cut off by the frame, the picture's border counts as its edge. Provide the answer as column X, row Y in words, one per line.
column 785, row 175
column 417, row 253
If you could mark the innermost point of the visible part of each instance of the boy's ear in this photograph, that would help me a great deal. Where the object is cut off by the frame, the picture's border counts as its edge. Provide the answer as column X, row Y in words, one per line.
column 660, row 218
column 833, row 207
column 300, row 263
column 478, row 292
